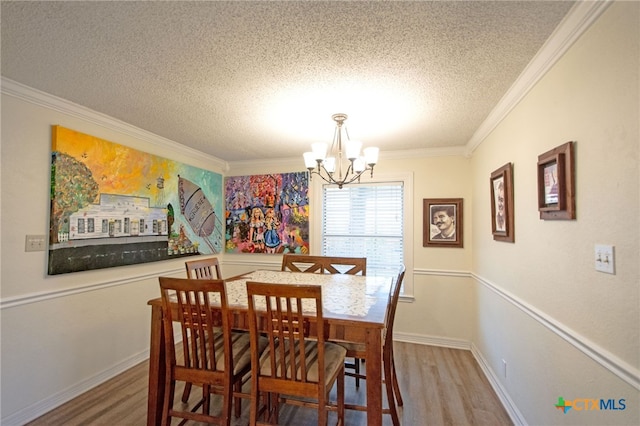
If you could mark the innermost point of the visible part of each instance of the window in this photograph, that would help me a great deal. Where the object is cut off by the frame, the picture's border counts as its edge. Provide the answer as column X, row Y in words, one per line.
column 372, row 220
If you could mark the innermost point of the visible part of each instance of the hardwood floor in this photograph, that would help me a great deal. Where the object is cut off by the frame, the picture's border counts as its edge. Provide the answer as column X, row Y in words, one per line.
column 440, row 386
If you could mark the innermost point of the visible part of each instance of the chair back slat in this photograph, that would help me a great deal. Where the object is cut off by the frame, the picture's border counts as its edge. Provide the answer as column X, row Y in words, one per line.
column 203, row 269
column 287, row 326
column 197, row 303
column 294, row 365
column 324, row 264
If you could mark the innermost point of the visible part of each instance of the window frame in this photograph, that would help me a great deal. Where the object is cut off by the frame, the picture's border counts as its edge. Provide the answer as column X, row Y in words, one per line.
column 315, row 226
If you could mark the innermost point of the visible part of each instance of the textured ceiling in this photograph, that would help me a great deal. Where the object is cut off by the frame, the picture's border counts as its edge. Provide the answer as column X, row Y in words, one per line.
column 250, row 80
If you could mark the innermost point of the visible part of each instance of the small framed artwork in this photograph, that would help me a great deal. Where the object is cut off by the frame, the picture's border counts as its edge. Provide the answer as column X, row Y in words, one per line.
column 442, row 222
column 556, row 183
column 502, row 225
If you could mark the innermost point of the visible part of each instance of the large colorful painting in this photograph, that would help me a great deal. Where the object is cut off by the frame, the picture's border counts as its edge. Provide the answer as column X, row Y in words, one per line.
column 267, row 213
column 112, row 205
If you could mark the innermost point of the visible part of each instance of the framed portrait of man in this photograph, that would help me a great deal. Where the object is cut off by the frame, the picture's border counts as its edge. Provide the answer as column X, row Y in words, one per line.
column 442, row 222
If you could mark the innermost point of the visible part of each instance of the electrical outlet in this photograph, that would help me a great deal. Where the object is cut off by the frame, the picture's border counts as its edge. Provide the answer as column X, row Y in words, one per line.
column 605, row 260
column 35, row 243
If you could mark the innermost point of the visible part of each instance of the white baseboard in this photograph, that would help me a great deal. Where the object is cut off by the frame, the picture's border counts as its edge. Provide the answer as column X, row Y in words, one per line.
column 512, row 410
column 503, row 396
column 421, row 339
column 36, row 410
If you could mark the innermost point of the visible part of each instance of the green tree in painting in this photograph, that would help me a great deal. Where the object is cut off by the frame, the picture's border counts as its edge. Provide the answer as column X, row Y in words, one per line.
column 72, row 188
column 170, row 218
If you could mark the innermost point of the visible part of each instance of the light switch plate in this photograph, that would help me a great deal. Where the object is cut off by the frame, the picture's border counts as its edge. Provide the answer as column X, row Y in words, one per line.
column 605, row 260
column 35, row 243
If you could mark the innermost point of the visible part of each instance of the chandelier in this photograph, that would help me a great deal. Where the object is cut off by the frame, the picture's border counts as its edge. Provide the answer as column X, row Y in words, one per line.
column 340, row 165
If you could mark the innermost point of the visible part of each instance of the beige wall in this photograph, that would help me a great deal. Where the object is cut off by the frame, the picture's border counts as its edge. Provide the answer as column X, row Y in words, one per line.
column 92, row 324
column 564, row 329
column 442, row 310
column 561, row 326
column 66, row 333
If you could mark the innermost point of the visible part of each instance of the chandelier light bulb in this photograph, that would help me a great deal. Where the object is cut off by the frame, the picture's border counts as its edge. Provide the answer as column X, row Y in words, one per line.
column 310, row 160
column 353, row 149
column 330, row 164
column 319, row 150
column 371, row 155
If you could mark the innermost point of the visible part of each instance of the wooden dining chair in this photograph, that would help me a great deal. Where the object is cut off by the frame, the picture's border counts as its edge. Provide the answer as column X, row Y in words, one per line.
column 324, row 264
column 293, row 365
column 208, row 268
column 213, row 356
column 201, row 269
column 358, row 351
column 328, row 265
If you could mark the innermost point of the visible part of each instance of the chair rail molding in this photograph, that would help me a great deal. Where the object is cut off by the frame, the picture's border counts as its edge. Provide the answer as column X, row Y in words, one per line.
column 611, row 362
column 25, row 299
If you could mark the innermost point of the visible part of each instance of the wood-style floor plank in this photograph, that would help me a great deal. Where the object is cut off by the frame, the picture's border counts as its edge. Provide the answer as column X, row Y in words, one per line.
column 440, row 386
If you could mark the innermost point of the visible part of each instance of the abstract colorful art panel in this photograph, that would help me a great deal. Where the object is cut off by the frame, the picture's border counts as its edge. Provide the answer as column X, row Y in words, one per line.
column 112, row 206
column 267, row 213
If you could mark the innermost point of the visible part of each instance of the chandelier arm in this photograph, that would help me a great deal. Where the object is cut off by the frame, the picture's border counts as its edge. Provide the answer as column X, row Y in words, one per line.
column 342, row 181
column 329, row 178
column 354, row 177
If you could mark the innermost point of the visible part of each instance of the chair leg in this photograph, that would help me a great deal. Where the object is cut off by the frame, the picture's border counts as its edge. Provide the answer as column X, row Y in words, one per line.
column 388, row 379
column 271, row 410
column 206, row 398
column 237, row 403
column 255, row 404
column 356, row 366
column 396, row 387
column 186, row 392
column 167, row 405
column 322, row 409
column 226, row 404
column 275, row 400
column 341, row 397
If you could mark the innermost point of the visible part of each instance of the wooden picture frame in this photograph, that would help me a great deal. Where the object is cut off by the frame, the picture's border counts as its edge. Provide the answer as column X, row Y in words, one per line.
column 442, row 222
column 502, row 225
column 556, row 183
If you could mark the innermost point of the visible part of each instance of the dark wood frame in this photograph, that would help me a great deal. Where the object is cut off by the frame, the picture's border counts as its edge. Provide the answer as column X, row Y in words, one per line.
column 507, row 232
column 428, row 204
column 562, row 159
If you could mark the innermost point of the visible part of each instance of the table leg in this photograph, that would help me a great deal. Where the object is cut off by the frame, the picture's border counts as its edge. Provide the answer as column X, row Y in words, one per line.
column 157, row 368
column 374, row 376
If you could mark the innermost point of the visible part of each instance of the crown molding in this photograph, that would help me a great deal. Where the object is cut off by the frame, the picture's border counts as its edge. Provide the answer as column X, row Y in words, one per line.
column 28, row 94
column 579, row 19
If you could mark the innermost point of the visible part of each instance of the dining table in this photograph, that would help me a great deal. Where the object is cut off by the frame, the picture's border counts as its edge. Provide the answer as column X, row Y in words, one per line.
column 354, row 309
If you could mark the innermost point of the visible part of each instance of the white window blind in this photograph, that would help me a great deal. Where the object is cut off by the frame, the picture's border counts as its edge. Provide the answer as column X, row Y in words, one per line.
column 365, row 220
